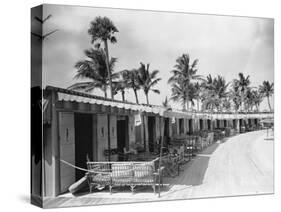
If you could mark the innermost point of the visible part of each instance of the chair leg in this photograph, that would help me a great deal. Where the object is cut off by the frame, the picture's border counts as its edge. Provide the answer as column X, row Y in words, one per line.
column 110, row 189
column 132, row 188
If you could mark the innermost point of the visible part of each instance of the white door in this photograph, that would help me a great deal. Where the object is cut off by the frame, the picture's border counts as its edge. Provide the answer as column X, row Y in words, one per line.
column 67, row 149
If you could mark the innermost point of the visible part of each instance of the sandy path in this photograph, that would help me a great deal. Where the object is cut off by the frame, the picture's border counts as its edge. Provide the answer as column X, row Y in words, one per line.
column 241, row 165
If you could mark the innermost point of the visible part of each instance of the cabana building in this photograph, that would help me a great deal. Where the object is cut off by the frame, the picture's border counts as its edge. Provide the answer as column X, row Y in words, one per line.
column 78, row 127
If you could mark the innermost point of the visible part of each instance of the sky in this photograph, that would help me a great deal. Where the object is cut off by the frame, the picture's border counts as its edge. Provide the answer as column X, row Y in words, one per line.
column 224, row 45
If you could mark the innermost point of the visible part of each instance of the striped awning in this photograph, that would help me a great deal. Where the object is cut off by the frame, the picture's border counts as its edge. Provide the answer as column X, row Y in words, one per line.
column 128, row 106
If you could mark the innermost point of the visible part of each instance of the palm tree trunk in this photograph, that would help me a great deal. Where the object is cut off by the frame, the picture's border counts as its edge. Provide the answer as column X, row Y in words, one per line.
column 107, row 67
column 147, row 101
column 187, row 104
column 123, row 95
column 268, row 103
column 242, row 102
column 257, row 106
column 136, row 95
column 105, row 93
column 197, row 105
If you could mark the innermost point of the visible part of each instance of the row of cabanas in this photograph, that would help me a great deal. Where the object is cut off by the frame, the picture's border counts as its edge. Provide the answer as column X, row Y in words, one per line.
column 78, row 127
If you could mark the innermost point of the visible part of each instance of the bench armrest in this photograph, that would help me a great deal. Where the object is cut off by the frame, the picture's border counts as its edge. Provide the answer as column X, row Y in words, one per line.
column 159, row 171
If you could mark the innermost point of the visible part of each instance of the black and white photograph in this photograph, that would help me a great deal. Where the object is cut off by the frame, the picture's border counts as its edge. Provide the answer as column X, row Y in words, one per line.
column 144, row 105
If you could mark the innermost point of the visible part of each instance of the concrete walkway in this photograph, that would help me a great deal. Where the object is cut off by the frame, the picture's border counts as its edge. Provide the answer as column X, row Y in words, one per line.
column 241, row 165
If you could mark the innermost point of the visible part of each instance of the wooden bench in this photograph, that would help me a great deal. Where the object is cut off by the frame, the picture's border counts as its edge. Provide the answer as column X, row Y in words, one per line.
column 129, row 173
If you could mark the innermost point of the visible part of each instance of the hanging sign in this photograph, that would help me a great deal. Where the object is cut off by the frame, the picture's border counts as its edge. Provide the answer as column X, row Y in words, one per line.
column 138, row 119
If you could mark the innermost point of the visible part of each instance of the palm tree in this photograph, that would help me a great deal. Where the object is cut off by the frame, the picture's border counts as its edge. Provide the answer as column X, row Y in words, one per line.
column 119, row 86
column 235, row 97
column 198, row 90
column 266, row 89
column 184, row 73
column 210, row 100
column 131, row 78
column 220, row 88
column 148, row 80
column 192, row 93
column 179, row 94
column 257, row 99
column 216, row 86
column 102, row 30
column 253, row 98
column 241, row 85
column 94, row 68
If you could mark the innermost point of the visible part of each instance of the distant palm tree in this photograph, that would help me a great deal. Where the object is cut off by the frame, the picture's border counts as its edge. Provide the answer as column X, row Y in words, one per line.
column 148, row 80
column 220, row 88
column 210, row 100
column 184, row 73
column 216, row 86
column 102, row 30
column 131, row 77
column 253, row 99
column 241, row 85
column 94, row 68
column 266, row 89
column 235, row 98
column 257, row 98
column 226, row 104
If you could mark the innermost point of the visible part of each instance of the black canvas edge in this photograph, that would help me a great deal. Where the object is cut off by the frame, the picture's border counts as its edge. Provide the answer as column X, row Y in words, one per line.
column 36, row 188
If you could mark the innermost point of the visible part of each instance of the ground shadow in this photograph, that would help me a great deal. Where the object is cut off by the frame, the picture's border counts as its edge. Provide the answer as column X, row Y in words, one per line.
column 25, row 198
column 210, row 150
column 269, row 139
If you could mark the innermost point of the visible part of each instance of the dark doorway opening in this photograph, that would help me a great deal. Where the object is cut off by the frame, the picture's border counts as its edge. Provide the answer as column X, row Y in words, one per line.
column 83, row 142
column 209, row 122
column 225, row 123
column 201, row 124
column 122, row 136
column 234, row 124
column 218, row 123
column 181, row 126
column 151, row 133
column 166, row 127
column 250, row 122
column 190, row 126
column 166, row 131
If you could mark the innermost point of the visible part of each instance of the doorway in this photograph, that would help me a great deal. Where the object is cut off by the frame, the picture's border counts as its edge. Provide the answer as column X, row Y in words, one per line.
column 225, row 123
column 201, row 124
column 166, row 131
column 209, row 122
column 234, row 123
column 122, row 136
column 218, row 123
column 83, row 142
column 151, row 133
column 190, row 126
column 181, row 126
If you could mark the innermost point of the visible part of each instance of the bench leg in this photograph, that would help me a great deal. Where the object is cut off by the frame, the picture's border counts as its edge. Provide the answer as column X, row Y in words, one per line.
column 154, row 190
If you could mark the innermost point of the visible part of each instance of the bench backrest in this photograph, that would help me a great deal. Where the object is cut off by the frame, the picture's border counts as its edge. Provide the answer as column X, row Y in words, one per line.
column 124, row 169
